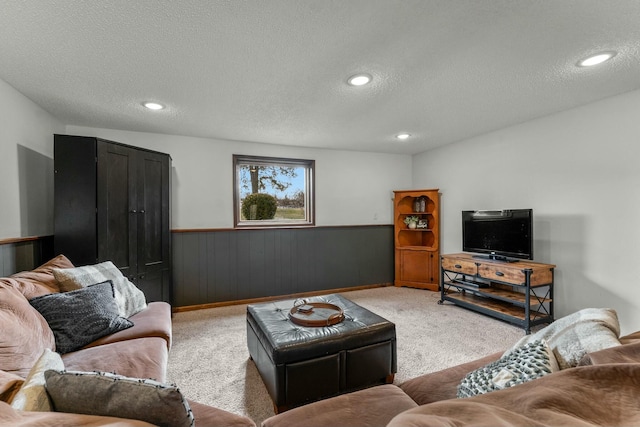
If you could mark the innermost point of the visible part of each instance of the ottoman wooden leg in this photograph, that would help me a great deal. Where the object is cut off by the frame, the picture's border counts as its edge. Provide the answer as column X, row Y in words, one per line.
column 389, row 379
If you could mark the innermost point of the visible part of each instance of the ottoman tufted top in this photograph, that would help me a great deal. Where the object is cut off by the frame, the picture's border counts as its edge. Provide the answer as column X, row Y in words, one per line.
column 287, row 342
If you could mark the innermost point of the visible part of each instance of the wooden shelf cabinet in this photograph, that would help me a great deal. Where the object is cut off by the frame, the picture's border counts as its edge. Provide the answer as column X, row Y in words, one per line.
column 417, row 259
column 518, row 292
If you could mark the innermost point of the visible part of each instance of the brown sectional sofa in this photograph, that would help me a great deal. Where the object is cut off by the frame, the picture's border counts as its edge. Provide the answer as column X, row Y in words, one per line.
column 605, row 391
column 140, row 351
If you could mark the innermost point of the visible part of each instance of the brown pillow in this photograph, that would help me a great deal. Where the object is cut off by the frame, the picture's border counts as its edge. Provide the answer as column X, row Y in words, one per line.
column 24, row 334
column 41, row 280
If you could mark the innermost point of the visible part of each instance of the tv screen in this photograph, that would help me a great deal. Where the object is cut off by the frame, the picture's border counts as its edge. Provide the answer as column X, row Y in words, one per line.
column 502, row 234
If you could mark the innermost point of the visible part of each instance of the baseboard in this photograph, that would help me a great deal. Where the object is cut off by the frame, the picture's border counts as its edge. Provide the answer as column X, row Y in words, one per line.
column 277, row 297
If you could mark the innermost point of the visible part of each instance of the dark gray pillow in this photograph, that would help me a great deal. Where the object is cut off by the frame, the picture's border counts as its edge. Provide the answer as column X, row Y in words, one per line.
column 118, row 396
column 80, row 317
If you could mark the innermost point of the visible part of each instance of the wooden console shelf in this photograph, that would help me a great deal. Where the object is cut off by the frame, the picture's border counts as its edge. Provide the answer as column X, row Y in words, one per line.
column 518, row 292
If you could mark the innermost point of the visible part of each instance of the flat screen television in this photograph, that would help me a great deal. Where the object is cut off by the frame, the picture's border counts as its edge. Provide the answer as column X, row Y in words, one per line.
column 505, row 235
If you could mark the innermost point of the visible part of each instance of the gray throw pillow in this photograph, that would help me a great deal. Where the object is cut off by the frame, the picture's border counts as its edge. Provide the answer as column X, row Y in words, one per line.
column 129, row 298
column 80, row 317
column 531, row 361
column 574, row 336
column 118, row 396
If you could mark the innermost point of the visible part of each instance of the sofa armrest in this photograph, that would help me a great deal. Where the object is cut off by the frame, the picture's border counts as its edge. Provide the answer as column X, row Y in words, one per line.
column 370, row 407
column 210, row 416
column 628, row 353
column 630, row 338
column 443, row 384
column 603, row 395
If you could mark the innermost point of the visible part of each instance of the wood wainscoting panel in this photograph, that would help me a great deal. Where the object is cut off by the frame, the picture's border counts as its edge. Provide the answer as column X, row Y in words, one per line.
column 213, row 266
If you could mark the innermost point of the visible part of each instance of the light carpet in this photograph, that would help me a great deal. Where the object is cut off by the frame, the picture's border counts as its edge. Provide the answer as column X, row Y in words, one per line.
column 210, row 362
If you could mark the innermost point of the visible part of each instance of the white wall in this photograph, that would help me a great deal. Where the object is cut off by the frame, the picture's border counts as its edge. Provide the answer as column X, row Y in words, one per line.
column 579, row 170
column 351, row 188
column 26, row 174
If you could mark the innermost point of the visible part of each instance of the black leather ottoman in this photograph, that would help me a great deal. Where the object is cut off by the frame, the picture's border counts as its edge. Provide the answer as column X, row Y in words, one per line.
column 301, row 364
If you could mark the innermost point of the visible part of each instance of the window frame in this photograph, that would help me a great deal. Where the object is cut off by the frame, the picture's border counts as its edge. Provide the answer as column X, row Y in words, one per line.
column 309, row 190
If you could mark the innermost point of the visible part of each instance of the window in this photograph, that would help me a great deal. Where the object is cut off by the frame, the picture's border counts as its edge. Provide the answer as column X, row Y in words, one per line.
column 272, row 192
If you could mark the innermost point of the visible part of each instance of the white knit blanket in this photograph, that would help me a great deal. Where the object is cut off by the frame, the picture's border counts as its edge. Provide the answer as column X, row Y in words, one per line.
column 573, row 336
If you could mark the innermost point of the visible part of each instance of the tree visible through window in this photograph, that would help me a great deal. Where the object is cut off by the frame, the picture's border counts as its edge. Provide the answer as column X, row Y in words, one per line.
column 272, row 191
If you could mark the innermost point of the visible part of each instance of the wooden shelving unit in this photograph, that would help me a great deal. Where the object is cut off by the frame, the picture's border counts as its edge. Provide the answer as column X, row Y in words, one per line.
column 417, row 258
column 520, row 293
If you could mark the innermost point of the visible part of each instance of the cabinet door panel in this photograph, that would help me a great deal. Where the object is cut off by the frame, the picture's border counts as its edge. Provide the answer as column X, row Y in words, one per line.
column 116, row 201
column 153, row 205
column 154, row 284
column 150, row 204
column 414, row 266
column 434, row 267
column 75, row 199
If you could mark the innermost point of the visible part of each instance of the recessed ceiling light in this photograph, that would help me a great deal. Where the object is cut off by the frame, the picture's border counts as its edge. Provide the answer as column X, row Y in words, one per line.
column 403, row 136
column 153, row 105
column 359, row 79
column 596, row 59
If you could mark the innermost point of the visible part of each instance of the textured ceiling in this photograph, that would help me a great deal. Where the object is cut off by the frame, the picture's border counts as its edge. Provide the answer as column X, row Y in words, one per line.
column 275, row 71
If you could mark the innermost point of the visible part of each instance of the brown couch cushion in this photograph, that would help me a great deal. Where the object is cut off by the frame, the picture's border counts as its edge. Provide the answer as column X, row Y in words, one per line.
column 370, row 407
column 141, row 358
column 11, row 417
column 154, row 321
column 443, row 384
column 210, row 416
column 40, row 281
column 603, row 395
column 24, row 334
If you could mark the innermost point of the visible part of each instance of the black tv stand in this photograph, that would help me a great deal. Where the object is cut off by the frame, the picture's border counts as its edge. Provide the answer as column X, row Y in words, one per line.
column 494, row 257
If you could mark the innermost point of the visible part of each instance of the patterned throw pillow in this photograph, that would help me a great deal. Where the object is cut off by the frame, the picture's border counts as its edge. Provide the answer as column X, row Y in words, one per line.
column 129, row 298
column 118, row 396
column 526, row 363
column 80, row 317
